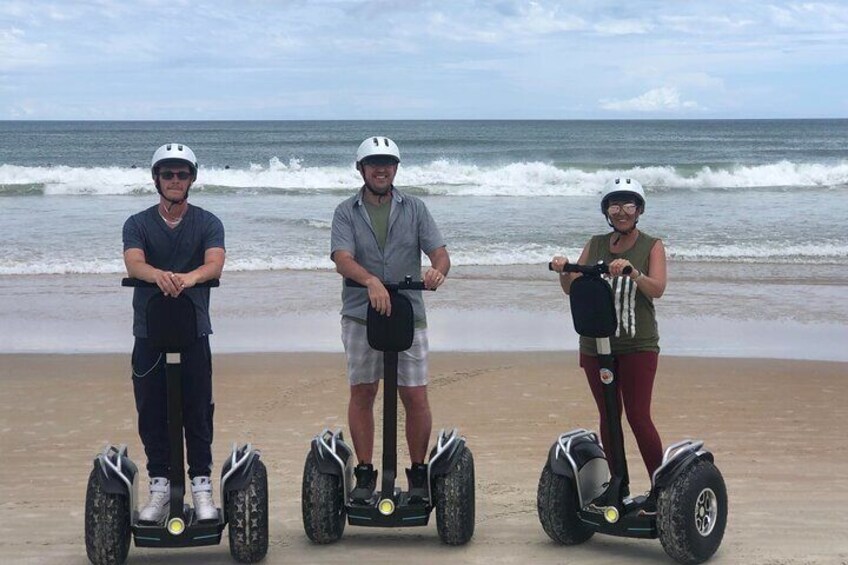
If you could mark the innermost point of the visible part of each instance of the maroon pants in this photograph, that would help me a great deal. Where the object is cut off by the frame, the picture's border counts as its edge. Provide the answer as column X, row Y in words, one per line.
column 635, row 373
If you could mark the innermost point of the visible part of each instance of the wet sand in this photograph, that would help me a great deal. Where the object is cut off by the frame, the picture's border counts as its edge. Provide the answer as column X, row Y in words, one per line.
column 777, row 429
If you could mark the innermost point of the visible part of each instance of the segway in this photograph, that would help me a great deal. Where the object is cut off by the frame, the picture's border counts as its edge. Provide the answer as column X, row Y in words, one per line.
column 328, row 472
column 111, row 514
column 686, row 507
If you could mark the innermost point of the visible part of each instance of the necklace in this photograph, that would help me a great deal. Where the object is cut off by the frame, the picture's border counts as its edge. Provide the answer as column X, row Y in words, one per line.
column 174, row 222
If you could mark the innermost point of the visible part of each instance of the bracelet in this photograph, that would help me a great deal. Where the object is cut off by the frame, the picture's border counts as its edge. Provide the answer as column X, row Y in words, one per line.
column 639, row 276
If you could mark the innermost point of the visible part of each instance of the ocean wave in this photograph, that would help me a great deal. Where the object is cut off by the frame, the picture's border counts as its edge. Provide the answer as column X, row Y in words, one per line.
column 439, row 177
column 495, row 255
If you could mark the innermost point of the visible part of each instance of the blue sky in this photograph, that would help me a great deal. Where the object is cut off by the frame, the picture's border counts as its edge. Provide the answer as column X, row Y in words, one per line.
column 402, row 59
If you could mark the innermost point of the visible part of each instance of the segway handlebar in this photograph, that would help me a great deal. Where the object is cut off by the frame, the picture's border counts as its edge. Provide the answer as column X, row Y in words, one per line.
column 600, row 268
column 144, row 284
column 406, row 284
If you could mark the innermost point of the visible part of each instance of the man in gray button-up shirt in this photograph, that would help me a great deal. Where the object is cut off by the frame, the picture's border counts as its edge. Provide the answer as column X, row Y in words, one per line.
column 378, row 235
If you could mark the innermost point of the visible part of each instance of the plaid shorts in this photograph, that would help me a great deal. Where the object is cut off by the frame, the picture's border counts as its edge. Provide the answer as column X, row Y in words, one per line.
column 365, row 365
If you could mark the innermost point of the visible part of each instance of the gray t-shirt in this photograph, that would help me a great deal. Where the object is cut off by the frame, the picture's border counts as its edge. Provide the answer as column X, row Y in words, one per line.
column 181, row 249
column 411, row 231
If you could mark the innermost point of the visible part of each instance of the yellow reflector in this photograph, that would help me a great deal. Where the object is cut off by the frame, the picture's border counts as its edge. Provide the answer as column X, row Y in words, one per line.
column 176, row 526
column 611, row 514
column 386, row 506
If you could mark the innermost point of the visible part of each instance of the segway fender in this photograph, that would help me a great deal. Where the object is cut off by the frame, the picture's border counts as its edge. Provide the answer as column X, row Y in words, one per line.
column 678, row 457
column 238, row 469
column 582, row 448
column 666, row 475
column 559, row 463
column 332, row 453
column 116, row 471
column 445, row 454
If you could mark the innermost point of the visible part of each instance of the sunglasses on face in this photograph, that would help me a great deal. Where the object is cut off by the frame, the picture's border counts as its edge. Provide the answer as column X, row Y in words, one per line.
column 168, row 175
column 379, row 161
column 628, row 209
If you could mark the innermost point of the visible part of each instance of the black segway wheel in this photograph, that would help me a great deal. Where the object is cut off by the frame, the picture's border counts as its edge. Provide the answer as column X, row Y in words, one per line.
column 558, row 507
column 107, row 524
column 247, row 517
column 322, row 503
column 453, row 496
column 692, row 513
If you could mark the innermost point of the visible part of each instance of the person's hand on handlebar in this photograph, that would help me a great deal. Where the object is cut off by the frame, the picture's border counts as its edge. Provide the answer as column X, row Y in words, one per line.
column 379, row 296
column 433, row 279
column 185, row 280
column 558, row 263
column 618, row 266
column 168, row 283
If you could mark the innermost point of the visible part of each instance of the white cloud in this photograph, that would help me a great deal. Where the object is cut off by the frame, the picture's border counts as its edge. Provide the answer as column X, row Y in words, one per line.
column 466, row 58
column 657, row 100
column 813, row 16
column 17, row 53
column 623, row 27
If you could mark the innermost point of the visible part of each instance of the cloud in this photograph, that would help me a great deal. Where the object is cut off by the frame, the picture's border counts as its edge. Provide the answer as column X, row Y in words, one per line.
column 623, row 27
column 18, row 53
column 666, row 98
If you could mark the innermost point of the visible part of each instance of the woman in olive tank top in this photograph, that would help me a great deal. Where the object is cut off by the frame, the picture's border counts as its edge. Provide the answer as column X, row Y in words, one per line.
column 635, row 344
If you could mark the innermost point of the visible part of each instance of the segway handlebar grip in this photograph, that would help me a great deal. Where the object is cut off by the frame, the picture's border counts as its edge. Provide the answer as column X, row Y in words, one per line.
column 407, row 284
column 144, row 284
column 599, row 269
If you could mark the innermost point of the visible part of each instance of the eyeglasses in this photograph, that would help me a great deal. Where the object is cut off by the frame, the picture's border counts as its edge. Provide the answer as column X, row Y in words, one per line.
column 628, row 209
column 379, row 161
column 168, row 175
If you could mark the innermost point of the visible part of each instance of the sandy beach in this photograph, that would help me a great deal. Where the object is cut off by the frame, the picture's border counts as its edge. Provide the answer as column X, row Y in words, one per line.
column 777, row 429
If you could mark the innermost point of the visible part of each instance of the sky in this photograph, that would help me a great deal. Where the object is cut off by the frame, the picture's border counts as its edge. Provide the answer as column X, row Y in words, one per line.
column 404, row 59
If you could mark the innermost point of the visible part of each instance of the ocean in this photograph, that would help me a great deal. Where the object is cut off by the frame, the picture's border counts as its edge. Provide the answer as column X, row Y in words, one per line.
column 753, row 203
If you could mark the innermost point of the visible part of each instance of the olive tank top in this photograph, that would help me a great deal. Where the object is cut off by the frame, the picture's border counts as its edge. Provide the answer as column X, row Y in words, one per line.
column 637, row 323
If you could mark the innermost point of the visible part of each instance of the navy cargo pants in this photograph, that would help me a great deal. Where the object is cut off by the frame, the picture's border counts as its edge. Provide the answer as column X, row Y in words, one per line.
column 149, row 385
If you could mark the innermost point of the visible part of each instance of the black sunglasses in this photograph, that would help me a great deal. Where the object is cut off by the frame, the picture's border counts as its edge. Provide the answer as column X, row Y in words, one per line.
column 168, row 175
column 379, row 161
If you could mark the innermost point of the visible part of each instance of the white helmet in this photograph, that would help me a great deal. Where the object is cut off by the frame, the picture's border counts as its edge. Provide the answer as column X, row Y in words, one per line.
column 174, row 152
column 377, row 146
column 623, row 187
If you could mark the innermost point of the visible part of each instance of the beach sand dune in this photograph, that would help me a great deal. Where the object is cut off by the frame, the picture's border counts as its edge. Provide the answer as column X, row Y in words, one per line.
column 777, row 429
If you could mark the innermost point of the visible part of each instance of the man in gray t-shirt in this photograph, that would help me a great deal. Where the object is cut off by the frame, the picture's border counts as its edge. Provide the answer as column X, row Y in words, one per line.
column 378, row 235
column 175, row 246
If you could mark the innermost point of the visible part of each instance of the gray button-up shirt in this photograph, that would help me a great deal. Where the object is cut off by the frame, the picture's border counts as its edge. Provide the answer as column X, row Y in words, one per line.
column 411, row 231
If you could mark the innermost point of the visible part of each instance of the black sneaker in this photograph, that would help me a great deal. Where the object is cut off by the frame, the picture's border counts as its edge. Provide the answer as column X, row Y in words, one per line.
column 366, row 482
column 649, row 508
column 417, row 477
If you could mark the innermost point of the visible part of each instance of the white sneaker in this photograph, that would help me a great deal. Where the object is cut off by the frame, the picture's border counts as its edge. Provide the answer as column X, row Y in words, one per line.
column 159, row 504
column 201, row 495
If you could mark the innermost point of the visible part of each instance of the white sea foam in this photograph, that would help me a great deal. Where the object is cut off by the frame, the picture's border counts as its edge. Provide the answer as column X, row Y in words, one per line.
column 440, row 177
column 461, row 255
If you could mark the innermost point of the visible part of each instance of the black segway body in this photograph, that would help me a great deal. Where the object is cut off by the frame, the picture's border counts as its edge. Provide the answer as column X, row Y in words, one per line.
column 328, row 474
column 578, row 496
column 112, row 500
